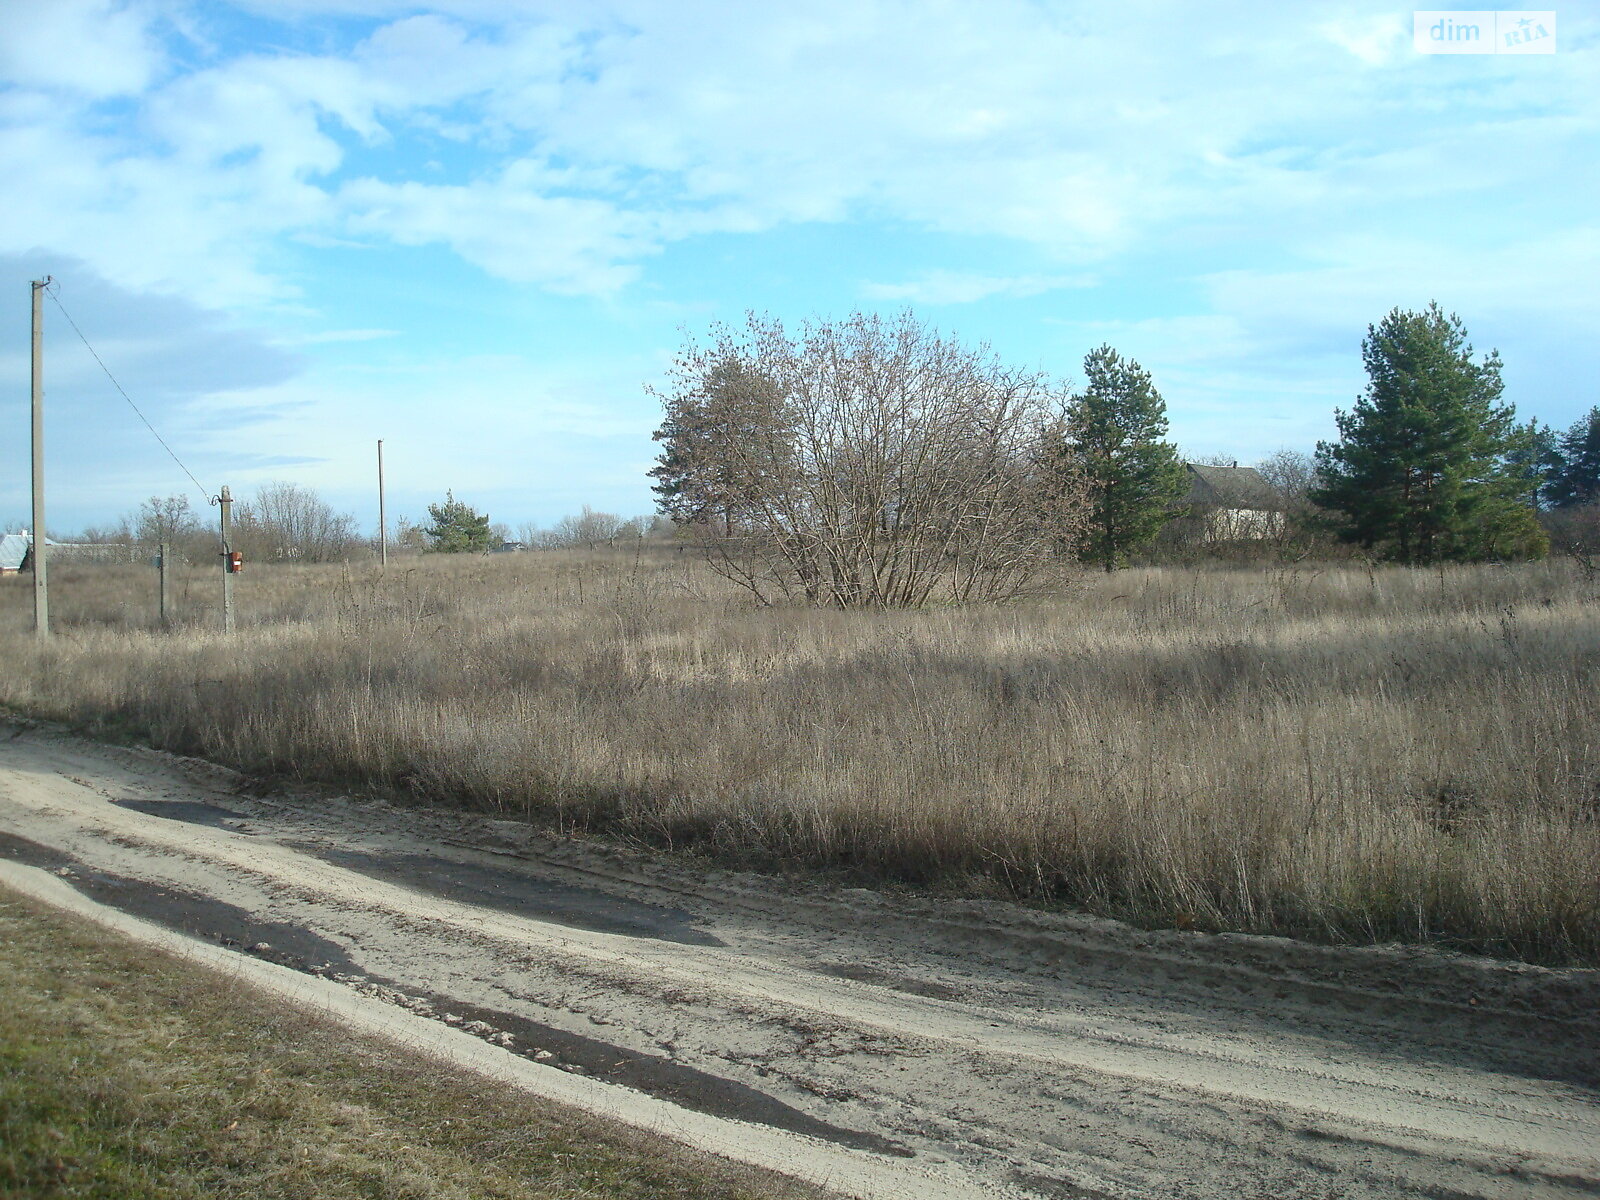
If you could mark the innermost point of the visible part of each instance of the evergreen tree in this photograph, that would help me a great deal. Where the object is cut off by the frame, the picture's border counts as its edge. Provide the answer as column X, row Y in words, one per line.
column 1430, row 465
column 456, row 528
column 720, row 443
column 1576, row 478
column 1536, row 453
column 1115, row 433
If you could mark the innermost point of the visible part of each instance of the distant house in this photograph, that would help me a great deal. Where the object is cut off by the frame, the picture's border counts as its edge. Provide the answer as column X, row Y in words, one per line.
column 13, row 552
column 508, row 548
column 16, row 547
column 1233, row 503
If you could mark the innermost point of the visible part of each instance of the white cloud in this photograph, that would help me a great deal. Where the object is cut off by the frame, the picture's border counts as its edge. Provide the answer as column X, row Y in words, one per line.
column 525, row 439
column 95, row 48
column 567, row 244
column 1376, row 39
column 574, row 141
column 955, row 287
column 173, row 358
column 328, row 336
column 1543, row 277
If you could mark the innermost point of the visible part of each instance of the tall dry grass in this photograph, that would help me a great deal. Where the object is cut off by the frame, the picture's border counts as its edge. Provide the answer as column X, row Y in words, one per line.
column 1338, row 753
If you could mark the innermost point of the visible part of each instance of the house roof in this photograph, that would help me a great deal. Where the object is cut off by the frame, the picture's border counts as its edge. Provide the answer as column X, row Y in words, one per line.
column 1232, row 487
column 13, row 548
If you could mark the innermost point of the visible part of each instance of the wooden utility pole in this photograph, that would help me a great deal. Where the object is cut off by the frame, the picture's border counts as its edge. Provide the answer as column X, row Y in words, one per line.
column 41, row 583
column 166, row 585
column 225, row 502
column 383, row 525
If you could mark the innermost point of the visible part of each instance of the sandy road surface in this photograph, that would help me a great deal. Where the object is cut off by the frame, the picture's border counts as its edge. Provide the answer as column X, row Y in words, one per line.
column 888, row 1046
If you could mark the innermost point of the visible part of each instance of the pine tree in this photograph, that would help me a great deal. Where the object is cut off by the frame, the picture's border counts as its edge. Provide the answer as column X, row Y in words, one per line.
column 1576, row 478
column 1430, row 465
column 1536, row 453
column 456, row 528
column 717, row 428
column 1116, row 431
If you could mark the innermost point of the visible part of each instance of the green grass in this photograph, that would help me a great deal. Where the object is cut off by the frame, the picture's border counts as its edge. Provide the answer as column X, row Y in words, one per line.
column 126, row 1073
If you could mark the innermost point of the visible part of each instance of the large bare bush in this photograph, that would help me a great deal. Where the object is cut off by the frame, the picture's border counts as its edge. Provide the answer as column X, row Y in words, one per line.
column 865, row 463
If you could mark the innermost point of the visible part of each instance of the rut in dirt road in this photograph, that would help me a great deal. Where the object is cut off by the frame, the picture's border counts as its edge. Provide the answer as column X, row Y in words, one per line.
column 976, row 1047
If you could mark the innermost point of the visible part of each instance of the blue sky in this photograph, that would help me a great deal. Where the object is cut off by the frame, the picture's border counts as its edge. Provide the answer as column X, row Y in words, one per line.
column 478, row 230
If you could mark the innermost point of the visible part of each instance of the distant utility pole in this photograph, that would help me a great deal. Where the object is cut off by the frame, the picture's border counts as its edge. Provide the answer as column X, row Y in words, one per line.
column 163, row 562
column 41, row 585
column 225, row 502
column 383, row 527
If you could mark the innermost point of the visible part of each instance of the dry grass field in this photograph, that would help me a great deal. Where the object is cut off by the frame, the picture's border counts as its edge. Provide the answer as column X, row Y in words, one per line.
column 1339, row 753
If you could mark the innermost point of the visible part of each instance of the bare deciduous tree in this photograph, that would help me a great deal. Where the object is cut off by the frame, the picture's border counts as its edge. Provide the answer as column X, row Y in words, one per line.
column 1292, row 472
column 172, row 520
column 868, row 462
column 288, row 522
column 166, row 519
column 408, row 537
column 591, row 528
column 585, row 529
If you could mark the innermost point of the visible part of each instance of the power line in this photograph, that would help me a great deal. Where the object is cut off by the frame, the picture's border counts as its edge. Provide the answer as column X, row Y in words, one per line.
column 125, row 395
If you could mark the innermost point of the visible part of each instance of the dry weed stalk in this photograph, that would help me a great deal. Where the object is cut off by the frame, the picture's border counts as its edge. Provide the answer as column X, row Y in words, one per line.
column 1341, row 753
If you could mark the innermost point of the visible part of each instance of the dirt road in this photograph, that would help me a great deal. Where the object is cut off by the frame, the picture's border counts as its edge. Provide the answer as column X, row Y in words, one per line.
column 884, row 1045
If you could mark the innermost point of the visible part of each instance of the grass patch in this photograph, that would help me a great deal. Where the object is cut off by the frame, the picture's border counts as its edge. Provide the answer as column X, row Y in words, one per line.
column 127, row 1074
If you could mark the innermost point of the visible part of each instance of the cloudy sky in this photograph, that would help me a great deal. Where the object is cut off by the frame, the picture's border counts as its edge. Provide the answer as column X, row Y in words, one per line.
column 478, row 229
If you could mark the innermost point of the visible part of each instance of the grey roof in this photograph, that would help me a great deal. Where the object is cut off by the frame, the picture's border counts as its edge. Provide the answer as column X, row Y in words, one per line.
column 13, row 548
column 1232, row 487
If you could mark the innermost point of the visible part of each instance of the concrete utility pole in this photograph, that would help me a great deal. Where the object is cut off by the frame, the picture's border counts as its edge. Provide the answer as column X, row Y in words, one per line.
column 383, row 526
column 163, row 563
column 41, row 584
column 225, row 502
